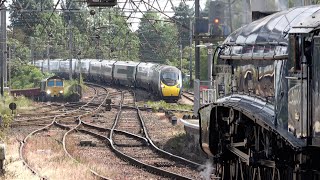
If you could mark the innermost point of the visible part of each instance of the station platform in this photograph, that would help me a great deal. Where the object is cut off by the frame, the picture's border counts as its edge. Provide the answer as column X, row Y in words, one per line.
column 191, row 124
column 191, row 127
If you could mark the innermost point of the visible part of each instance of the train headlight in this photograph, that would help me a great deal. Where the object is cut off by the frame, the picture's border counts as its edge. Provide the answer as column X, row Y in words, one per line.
column 48, row 92
column 178, row 85
column 61, row 92
column 162, row 86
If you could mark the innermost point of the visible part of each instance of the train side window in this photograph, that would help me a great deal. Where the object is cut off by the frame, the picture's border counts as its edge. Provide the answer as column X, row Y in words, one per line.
column 295, row 53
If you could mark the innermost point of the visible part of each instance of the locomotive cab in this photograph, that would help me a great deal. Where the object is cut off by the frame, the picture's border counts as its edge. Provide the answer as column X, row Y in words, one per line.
column 304, row 85
column 52, row 88
column 170, row 83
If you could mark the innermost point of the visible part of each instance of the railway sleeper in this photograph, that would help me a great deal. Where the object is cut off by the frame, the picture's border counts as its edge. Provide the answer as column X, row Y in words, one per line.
column 129, row 145
column 87, row 143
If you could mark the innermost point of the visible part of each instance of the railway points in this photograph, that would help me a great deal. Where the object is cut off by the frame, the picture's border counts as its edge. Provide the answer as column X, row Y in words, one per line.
column 95, row 129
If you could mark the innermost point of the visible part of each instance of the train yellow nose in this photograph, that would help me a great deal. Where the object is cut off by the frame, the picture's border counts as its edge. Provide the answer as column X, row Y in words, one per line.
column 170, row 91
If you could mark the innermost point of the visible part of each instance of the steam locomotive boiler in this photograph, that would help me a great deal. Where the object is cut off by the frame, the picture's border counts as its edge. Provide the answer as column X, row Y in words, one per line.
column 265, row 123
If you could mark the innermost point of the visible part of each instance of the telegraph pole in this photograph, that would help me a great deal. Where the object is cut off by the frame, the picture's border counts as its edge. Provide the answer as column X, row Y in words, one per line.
column 3, row 55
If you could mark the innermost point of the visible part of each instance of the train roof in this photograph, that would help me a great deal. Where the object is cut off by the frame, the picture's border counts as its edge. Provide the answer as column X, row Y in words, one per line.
column 52, row 77
column 105, row 61
column 95, row 62
column 274, row 29
column 146, row 64
column 127, row 63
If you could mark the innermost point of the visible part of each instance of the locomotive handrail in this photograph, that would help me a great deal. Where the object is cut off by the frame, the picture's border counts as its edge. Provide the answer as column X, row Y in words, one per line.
column 293, row 78
column 274, row 57
column 259, row 44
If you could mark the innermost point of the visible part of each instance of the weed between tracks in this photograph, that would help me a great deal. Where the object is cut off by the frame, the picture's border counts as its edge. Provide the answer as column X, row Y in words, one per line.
column 156, row 105
column 93, row 157
column 13, row 165
column 46, row 155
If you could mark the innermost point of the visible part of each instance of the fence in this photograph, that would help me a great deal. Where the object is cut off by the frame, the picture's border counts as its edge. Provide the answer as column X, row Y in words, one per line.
column 204, row 93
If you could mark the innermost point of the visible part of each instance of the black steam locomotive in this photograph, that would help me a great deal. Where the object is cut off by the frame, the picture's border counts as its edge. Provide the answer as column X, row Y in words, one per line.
column 266, row 121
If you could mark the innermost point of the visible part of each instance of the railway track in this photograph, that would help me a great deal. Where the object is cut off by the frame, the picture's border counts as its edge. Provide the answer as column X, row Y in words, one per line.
column 140, row 150
column 61, row 121
column 188, row 95
column 123, row 135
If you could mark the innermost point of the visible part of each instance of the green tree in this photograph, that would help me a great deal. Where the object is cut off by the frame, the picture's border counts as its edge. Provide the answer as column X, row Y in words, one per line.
column 51, row 35
column 25, row 76
column 78, row 19
column 183, row 14
column 205, row 11
column 149, row 37
column 19, row 51
column 158, row 39
column 24, row 14
column 110, row 36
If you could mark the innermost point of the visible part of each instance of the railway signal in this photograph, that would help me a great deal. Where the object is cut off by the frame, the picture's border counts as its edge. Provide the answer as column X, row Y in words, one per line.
column 101, row 3
column 216, row 17
column 216, row 28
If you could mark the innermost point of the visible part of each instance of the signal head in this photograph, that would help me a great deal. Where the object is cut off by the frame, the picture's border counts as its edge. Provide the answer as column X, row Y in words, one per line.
column 216, row 21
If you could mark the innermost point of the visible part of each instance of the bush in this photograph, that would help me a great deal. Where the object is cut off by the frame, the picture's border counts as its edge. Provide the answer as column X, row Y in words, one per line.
column 72, row 90
column 23, row 105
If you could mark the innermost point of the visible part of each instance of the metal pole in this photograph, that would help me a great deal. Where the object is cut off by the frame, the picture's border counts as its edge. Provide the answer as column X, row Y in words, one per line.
column 3, row 47
column 180, row 55
column 11, row 60
column 70, row 48
column 244, row 15
column 210, row 57
column 109, row 39
column 197, row 42
column 31, row 50
column 190, row 56
column 48, row 56
column 230, row 16
column 4, row 43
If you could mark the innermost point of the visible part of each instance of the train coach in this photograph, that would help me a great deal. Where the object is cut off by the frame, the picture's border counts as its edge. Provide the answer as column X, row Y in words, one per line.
column 162, row 80
column 265, row 123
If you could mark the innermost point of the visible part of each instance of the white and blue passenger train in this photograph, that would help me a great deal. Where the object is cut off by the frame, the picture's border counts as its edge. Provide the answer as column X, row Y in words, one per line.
column 163, row 80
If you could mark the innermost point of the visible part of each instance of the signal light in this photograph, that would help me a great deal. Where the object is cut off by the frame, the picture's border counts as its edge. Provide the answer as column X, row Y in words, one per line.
column 216, row 21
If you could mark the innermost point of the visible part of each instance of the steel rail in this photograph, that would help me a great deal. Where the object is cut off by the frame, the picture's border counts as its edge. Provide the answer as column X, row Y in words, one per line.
column 138, row 163
column 54, row 122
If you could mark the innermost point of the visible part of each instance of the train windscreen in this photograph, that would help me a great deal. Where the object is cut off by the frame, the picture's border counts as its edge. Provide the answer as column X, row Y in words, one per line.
column 59, row 83
column 51, row 83
column 169, row 78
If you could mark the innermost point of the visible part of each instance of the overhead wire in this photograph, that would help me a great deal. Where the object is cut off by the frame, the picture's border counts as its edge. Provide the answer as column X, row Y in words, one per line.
column 156, row 30
column 45, row 26
column 171, row 20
